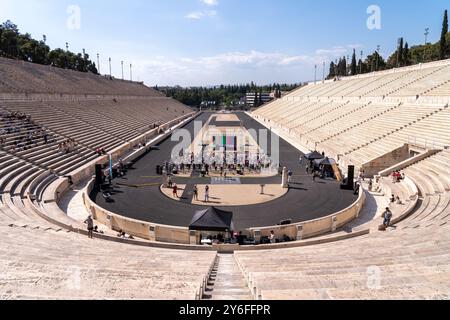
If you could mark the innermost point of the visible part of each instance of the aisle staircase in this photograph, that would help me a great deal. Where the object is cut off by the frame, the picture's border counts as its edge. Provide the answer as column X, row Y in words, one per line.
column 226, row 281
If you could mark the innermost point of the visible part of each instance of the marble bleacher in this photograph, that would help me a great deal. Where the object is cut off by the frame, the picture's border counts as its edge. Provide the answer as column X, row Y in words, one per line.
column 379, row 113
column 55, row 264
column 366, row 116
column 409, row 261
column 51, row 262
column 24, row 77
column 406, row 264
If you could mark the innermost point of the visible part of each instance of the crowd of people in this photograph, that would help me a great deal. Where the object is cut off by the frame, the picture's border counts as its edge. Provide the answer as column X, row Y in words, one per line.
column 241, row 239
column 67, row 146
column 11, row 116
column 397, row 176
column 219, row 163
column 100, row 151
column 28, row 133
column 317, row 170
column 175, row 189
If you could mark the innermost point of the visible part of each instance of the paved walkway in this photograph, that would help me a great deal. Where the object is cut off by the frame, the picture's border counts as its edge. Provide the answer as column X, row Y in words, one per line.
column 72, row 204
column 370, row 216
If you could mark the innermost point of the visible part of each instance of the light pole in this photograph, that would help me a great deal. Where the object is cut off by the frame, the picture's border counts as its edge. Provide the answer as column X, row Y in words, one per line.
column 427, row 32
column 84, row 60
column 361, row 65
column 131, row 72
column 98, row 63
column 110, row 72
column 66, row 57
column 378, row 56
column 122, row 68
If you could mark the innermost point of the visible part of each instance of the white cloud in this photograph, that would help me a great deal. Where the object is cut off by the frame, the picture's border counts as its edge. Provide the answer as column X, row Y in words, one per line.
column 194, row 15
column 354, row 46
column 197, row 15
column 337, row 51
column 210, row 2
column 334, row 52
column 228, row 67
column 252, row 58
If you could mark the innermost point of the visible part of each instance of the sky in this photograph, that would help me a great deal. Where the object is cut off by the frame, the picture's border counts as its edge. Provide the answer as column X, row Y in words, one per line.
column 212, row 42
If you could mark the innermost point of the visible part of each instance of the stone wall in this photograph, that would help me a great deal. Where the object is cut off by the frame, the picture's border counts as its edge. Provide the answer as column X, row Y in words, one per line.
column 315, row 227
column 387, row 160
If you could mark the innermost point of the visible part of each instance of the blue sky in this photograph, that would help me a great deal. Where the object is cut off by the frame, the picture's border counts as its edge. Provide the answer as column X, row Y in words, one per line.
column 208, row 42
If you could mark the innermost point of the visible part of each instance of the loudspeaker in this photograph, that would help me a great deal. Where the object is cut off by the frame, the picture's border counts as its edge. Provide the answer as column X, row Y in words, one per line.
column 98, row 174
column 350, row 179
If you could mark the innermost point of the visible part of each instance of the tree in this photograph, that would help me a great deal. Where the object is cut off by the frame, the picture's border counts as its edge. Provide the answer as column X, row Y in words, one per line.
column 354, row 66
column 15, row 45
column 400, row 53
column 332, row 73
column 374, row 60
column 342, row 67
column 9, row 43
column 406, row 55
column 362, row 67
column 443, row 41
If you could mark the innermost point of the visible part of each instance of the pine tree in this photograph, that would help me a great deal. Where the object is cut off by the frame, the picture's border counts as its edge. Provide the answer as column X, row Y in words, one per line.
column 354, row 70
column 332, row 73
column 400, row 53
column 406, row 55
column 361, row 67
column 344, row 67
column 443, row 41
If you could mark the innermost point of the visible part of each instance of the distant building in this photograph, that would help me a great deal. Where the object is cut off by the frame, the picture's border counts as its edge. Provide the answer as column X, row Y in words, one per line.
column 262, row 98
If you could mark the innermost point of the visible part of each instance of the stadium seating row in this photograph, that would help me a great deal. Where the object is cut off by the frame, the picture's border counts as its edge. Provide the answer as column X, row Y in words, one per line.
column 364, row 129
column 24, row 77
column 44, row 139
column 410, row 260
column 362, row 118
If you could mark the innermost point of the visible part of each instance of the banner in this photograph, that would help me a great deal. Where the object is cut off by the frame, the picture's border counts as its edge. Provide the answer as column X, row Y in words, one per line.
column 110, row 166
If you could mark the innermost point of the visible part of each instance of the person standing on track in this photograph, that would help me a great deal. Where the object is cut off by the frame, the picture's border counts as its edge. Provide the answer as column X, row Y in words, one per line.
column 175, row 191
column 195, row 193
column 207, row 194
column 90, row 227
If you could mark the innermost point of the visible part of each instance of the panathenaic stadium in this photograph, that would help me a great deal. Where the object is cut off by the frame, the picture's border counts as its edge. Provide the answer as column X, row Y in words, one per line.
column 235, row 213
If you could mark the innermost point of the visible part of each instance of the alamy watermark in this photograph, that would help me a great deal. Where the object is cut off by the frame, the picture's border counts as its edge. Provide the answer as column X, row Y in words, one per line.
column 374, row 20
column 73, row 21
column 374, row 278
